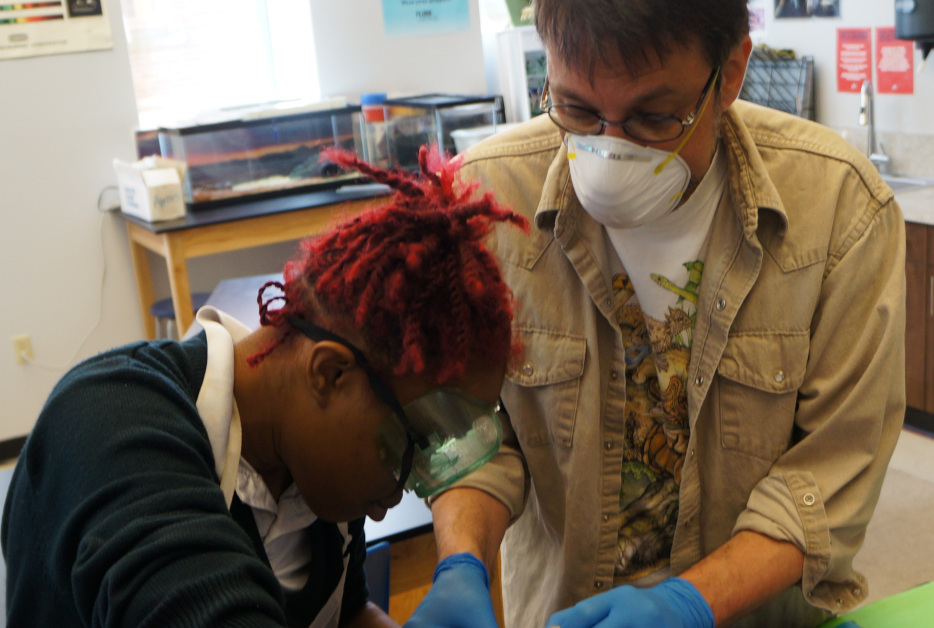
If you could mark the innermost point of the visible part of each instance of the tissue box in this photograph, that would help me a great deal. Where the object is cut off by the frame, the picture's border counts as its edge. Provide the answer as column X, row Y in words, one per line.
column 151, row 188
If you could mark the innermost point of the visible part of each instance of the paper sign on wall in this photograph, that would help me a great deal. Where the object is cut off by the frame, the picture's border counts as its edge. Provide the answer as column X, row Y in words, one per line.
column 894, row 63
column 854, row 58
column 30, row 29
column 756, row 10
column 403, row 18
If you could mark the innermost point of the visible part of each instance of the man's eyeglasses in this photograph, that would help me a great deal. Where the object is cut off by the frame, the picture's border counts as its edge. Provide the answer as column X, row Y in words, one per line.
column 645, row 127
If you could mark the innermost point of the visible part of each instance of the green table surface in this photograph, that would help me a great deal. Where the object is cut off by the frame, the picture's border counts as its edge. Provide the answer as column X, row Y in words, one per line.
column 913, row 608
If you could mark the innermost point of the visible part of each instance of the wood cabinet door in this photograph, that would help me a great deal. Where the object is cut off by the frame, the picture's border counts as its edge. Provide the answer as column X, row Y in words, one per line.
column 929, row 325
column 917, row 313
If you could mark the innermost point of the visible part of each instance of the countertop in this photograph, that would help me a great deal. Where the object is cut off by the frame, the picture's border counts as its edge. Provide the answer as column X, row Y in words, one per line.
column 917, row 205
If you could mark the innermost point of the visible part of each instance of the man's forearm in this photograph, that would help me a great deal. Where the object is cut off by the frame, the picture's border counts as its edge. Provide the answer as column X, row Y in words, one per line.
column 469, row 520
column 744, row 573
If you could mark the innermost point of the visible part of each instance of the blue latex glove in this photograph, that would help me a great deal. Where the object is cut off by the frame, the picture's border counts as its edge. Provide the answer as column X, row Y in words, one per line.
column 459, row 597
column 674, row 603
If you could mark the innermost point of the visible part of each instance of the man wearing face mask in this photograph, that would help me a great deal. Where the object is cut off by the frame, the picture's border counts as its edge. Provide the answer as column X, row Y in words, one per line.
column 711, row 310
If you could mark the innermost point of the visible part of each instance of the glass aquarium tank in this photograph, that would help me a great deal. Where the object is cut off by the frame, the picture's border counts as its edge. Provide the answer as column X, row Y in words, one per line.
column 263, row 154
column 429, row 119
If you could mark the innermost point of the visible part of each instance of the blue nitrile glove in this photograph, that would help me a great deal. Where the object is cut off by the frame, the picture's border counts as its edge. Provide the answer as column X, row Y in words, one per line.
column 459, row 597
column 674, row 603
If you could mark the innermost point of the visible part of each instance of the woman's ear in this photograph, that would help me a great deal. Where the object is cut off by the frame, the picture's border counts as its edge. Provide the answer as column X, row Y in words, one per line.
column 327, row 365
column 734, row 73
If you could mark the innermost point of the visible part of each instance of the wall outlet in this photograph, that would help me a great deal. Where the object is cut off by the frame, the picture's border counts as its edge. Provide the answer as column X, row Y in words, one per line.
column 22, row 347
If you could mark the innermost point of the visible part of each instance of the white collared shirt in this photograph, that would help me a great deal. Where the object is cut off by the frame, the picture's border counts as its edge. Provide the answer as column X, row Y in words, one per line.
column 282, row 525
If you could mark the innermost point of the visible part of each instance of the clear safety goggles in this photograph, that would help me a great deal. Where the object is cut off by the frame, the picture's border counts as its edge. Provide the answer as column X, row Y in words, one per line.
column 433, row 441
column 459, row 433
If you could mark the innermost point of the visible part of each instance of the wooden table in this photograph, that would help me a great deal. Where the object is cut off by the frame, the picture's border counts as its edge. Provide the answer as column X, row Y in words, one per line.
column 231, row 228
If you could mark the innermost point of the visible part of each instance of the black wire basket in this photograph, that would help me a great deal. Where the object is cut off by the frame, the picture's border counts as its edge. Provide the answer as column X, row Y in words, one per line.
column 778, row 80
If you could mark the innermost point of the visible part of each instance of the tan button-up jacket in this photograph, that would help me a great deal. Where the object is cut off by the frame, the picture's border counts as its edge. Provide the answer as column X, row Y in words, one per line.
column 796, row 389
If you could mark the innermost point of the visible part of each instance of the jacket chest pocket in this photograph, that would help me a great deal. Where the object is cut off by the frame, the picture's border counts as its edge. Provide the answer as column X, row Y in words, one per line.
column 543, row 387
column 758, row 381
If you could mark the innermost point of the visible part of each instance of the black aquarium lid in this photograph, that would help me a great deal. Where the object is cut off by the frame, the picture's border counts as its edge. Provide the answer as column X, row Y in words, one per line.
column 439, row 100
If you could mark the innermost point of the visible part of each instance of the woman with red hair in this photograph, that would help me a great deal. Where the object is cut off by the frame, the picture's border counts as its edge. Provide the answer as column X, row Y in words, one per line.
column 223, row 480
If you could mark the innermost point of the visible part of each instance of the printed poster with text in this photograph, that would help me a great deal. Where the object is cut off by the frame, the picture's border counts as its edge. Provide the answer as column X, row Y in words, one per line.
column 894, row 63
column 31, row 29
column 854, row 58
column 403, row 18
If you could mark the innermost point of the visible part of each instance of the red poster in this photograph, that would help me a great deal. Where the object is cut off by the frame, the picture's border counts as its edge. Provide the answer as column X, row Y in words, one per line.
column 894, row 63
column 854, row 58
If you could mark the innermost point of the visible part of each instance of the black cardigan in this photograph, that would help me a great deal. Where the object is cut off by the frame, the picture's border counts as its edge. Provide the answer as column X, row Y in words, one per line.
column 115, row 514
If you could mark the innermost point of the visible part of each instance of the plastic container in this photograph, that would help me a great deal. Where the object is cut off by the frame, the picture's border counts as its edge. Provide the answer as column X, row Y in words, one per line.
column 430, row 118
column 263, row 154
column 374, row 122
column 465, row 138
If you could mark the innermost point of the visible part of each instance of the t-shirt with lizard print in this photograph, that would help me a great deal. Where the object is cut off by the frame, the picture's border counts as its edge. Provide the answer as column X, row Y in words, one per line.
column 655, row 289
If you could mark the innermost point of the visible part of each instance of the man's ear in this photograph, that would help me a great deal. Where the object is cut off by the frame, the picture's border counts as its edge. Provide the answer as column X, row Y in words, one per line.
column 327, row 365
column 734, row 72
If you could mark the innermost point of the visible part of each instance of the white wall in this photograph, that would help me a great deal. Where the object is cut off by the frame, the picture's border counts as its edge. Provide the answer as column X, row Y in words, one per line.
column 355, row 55
column 817, row 37
column 62, row 121
column 66, row 274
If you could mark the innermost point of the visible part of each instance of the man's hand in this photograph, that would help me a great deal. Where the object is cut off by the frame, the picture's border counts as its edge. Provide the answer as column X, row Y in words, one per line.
column 674, row 603
column 459, row 597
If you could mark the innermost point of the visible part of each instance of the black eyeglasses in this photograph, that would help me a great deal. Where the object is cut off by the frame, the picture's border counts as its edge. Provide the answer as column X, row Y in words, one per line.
column 380, row 388
column 646, row 127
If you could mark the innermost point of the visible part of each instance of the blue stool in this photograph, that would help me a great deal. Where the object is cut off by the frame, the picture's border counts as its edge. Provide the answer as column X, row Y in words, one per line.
column 164, row 312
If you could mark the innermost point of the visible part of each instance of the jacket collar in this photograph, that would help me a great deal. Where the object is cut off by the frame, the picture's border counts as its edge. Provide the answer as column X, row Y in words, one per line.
column 750, row 184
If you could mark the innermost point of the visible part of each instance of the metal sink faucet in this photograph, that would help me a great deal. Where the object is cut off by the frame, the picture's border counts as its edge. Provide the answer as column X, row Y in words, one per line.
column 867, row 118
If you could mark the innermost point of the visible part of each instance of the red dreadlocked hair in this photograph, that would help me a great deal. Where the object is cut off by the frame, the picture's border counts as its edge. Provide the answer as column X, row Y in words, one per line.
column 411, row 278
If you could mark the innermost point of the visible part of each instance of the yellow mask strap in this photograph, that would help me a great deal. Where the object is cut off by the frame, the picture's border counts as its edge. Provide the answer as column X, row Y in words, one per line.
column 687, row 137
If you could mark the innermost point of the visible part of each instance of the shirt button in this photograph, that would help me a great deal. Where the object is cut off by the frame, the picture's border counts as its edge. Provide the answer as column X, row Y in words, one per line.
column 614, row 375
column 779, row 377
column 721, row 304
column 527, row 370
column 856, row 592
column 699, row 381
column 608, row 303
column 606, row 518
column 597, row 584
column 608, row 444
column 809, row 499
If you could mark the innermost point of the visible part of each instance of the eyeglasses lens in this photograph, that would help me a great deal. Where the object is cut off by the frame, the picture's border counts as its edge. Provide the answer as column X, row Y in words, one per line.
column 648, row 127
